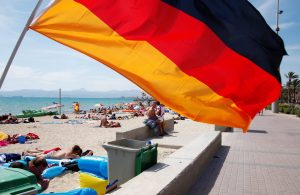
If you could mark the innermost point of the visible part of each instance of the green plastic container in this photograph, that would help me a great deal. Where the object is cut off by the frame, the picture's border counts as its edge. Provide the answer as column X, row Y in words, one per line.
column 18, row 181
column 146, row 158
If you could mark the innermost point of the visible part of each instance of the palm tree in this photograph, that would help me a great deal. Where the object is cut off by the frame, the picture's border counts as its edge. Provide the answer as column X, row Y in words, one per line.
column 290, row 76
column 284, row 95
column 295, row 84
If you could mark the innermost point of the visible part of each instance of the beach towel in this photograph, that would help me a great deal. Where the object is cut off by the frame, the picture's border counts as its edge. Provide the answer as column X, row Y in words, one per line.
column 14, row 139
column 3, row 143
column 2, row 158
column 51, row 150
column 74, row 122
column 32, row 136
column 3, row 136
column 11, row 156
column 52, row 123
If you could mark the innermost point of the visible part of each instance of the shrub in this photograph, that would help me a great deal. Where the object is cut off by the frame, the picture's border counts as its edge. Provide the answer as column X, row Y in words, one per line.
column 297, row 112
column 292, row 111
column 287, row 110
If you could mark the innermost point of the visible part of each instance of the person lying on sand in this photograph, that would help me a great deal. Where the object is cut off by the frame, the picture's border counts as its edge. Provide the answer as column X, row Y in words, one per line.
column 63, row 116
column 8, row 119
column 105, row 123
column 35, row 166
column 74, row 152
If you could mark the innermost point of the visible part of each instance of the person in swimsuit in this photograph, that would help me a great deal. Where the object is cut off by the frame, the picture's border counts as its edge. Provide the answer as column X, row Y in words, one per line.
column 74, row 152
column 153, row 120
column 35, row 166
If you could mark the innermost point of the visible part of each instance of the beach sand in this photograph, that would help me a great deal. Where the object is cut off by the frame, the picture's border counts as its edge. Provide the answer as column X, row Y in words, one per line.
column 88, row 135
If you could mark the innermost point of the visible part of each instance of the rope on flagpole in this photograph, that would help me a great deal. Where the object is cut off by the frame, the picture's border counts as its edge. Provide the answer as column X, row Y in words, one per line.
column 13, row 54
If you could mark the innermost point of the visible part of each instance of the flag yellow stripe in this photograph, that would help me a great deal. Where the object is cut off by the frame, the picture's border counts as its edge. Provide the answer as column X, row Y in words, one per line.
column 75, row 26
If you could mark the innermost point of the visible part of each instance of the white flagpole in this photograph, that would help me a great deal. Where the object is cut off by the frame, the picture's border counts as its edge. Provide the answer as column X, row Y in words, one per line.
column 13, row 54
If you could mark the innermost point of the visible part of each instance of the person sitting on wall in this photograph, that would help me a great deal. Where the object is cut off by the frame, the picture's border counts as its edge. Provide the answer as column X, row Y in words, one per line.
column 153, row 120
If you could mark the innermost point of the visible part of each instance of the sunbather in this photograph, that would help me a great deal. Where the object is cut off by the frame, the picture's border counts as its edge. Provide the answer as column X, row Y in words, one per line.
column 74, row 152
column 35, row 166
column 105, row 123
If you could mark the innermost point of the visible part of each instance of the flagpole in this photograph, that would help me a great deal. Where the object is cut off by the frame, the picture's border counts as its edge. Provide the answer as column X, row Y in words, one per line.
column 13, row 54
column 275, row 105
column 277, row 18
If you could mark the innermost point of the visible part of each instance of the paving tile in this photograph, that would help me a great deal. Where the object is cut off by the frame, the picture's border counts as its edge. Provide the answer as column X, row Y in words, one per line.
column 266, row 160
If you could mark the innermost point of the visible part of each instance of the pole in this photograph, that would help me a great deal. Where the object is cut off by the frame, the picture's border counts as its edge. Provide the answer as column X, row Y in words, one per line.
column 13, row 54
column 277, row 18
column 275, row 105
column 60, row 101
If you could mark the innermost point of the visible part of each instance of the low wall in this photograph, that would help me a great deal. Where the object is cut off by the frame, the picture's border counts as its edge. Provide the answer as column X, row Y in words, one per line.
column 177, row 172
column 143, row 132
column 223, row 128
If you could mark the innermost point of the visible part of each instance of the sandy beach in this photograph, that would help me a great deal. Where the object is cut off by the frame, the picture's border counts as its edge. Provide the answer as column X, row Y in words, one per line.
column 88, row 135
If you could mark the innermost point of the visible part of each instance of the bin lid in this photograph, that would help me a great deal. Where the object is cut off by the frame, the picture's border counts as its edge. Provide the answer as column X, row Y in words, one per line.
column 129, row 145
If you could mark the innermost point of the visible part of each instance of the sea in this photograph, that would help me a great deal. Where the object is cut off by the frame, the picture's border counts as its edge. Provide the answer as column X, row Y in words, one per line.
column 15, row 105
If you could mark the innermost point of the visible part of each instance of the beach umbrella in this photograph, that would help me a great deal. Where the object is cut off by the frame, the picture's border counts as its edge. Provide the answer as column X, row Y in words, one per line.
column 53, row 106
column 98, row 105
column 137, row 107
column 131, row 104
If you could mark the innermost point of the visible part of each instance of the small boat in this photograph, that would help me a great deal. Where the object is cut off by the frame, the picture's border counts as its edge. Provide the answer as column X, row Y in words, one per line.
column 53, row 106
column 35, row 113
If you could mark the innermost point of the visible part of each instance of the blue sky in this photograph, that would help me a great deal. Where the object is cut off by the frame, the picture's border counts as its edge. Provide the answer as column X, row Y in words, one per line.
column 44, row 64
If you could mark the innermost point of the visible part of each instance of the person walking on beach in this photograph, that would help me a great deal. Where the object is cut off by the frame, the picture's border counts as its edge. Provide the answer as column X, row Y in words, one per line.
column 76, row 108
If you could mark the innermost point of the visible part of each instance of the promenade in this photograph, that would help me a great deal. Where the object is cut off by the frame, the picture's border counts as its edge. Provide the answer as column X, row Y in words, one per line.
column 266, row 160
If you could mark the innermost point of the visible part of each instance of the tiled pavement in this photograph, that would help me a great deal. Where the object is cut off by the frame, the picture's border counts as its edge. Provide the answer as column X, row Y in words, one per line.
column 266, row 160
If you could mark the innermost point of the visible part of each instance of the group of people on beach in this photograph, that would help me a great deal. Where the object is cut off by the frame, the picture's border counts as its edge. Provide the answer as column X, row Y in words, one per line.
column 10, row 119
column 39, row 163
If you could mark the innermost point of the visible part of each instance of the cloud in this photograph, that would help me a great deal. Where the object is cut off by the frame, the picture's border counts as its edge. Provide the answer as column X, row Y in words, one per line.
column 20, row 72
column 284, row 25
column 24, row 77
column 10, row 16
column 60, row 53
column 266, row 7
column 293, row 47
column 25, row 73
column 6, row 25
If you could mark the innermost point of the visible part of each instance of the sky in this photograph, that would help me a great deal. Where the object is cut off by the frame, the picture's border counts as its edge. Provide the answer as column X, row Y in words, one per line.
column 45, row 64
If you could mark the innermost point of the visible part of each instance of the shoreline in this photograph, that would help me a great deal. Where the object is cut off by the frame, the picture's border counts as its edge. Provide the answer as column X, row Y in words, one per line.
column 16, row 105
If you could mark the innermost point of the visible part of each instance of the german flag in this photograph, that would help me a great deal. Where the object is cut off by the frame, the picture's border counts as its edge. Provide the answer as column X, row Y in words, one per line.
column 214, row 61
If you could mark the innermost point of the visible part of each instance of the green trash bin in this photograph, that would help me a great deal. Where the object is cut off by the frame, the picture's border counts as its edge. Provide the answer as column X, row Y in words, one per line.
column 127, row 158
column 18, row 181
column 146, row 158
